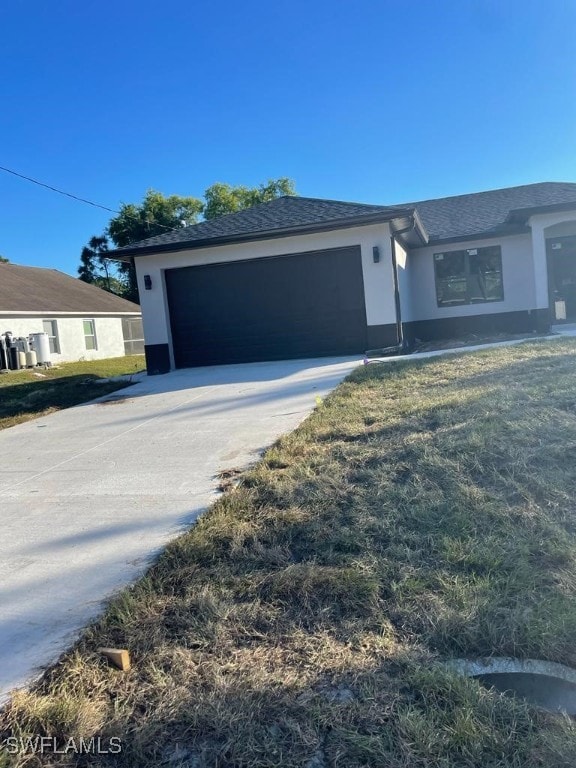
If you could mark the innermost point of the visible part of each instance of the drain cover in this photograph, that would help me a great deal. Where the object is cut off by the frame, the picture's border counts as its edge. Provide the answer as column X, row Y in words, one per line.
column 545, row 684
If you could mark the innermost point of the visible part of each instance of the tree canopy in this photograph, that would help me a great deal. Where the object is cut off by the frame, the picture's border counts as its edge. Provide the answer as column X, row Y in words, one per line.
column 4, row 260
column 157, row 214
column 93, row 262
column 223, row 198
column 154, row 215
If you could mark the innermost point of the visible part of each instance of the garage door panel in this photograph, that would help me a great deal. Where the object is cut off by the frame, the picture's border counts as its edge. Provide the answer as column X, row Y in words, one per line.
column 302, row 305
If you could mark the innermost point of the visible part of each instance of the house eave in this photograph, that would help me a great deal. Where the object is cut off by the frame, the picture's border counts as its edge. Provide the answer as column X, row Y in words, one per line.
column 409, row 230
column 521, row 215
column 272, row 234
column 473, row 236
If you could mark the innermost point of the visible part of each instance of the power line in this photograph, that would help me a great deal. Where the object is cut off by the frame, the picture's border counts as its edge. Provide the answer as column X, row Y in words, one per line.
column 60, row 191
column 81, row 199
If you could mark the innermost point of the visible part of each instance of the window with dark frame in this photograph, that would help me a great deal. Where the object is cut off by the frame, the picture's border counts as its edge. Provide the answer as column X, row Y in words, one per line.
column 470, row 276
column 51, row 329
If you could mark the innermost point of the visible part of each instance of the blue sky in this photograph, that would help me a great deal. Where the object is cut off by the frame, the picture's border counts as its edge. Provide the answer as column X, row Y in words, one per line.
column 380, row 102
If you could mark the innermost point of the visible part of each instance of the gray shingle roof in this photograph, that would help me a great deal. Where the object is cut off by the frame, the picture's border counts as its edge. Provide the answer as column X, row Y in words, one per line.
column 33, row 289
column 283, row 214
column 444, row 218
column 482, row 212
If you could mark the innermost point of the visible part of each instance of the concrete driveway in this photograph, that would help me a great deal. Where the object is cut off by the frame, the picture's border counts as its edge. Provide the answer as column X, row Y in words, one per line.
column 90, row 494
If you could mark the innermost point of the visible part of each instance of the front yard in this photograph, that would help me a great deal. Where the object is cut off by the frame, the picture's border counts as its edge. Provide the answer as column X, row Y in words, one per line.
column 424, row 511
column 31, row 393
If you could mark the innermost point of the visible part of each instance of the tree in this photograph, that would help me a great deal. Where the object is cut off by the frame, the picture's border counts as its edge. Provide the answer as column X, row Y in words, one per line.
column 94, row 264
column 157, row 214
column 223, row 198
column 4, row 260
column 153, row 216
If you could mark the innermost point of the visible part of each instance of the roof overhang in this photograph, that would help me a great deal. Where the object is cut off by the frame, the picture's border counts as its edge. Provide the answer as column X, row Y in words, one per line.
column 409, row 230
column 504, row 231
column 515, row 223
column 396, row 217
column 521, row 215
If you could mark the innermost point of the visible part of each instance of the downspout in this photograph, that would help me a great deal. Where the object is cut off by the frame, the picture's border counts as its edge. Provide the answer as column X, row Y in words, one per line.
column 400, row 346
column 397, row 305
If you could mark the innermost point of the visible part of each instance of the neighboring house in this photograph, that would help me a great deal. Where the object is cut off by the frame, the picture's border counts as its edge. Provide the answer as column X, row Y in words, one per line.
column 301, row 277
column 82, row 321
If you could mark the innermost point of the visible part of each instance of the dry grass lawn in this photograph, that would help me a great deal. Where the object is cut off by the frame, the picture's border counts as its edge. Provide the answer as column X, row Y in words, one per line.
column 424, row 511
column 29, row 394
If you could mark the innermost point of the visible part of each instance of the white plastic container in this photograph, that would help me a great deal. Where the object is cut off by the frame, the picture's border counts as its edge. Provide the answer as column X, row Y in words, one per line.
column 560, row 309
column 41, row 344
column 31, row 359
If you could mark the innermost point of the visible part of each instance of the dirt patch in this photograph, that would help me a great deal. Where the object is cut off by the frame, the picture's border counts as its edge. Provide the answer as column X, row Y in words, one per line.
column 470, row 340
column 229, row 478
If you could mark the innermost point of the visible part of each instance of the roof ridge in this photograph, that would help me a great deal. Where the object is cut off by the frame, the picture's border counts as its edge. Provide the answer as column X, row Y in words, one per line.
column 332, row 200
column 31, row 266
column 55, row 291
column 292, row 197
column 489, row 191
column 44, row 269
column 23, row 266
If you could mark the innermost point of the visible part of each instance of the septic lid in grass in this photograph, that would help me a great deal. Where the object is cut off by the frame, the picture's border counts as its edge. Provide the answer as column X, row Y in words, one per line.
column 544, row 684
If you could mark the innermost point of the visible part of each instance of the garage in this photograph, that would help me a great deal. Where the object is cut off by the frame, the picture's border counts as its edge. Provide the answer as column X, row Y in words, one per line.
column 273, row 308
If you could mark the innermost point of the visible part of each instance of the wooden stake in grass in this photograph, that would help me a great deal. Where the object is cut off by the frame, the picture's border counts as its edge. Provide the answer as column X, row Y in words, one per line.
column 118, row 656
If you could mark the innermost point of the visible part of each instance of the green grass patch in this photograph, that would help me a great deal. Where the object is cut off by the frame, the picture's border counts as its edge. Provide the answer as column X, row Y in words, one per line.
column 424, row 511
column 28, row 394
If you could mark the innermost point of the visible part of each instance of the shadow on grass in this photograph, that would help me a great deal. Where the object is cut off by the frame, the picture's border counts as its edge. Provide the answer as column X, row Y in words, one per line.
column 20, row 402
column 295, row 624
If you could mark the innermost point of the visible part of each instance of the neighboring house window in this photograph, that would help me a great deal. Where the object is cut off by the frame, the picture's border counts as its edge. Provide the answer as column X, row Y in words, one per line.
column 471, row 276
column 90, row 334
column 51, row 328
column 133, row 335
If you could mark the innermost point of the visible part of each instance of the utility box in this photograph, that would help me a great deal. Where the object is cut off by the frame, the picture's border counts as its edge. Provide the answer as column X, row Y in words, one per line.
column 41, row 345
column 560, row 309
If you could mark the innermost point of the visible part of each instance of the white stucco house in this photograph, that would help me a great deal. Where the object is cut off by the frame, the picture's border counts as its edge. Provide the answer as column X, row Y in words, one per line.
column 83, row 322
column 303, row 277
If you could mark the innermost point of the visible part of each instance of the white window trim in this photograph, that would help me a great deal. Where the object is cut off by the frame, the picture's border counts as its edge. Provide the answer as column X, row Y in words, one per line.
column 90, row 335
column 55, row 336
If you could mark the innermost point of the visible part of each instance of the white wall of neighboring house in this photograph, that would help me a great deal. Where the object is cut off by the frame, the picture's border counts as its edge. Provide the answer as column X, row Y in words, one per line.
column 72, row 342
column 518, row 275
column 378, row 278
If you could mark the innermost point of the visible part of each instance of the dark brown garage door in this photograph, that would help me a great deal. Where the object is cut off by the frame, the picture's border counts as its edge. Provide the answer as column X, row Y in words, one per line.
column 303, row 305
